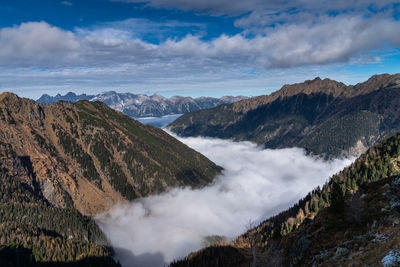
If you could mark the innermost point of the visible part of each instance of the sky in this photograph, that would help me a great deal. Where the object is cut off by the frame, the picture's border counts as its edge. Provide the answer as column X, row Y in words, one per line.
column 256, row 183
column 194, row 48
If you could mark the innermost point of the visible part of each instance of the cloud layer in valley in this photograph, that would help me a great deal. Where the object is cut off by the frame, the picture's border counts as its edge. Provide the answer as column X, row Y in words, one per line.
column 255, row 184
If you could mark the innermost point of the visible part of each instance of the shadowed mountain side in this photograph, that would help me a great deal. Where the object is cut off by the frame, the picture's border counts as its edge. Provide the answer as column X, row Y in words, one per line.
column 322, row 116
column 17, row 256
column 34, row 232
column 215, row 256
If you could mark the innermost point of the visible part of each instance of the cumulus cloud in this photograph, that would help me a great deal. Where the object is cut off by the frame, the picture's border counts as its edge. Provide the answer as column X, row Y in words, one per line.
column 37, row 43
column 333, row 39
column 140, row 28
column 255, row 184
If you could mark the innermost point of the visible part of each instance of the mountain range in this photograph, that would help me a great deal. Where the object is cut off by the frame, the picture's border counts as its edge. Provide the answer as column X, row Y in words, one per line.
column 140, row 105
column 62, row 162
column 323, row 116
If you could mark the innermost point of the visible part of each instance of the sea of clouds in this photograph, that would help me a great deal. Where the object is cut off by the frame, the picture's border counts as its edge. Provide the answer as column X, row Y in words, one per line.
column 255, row 184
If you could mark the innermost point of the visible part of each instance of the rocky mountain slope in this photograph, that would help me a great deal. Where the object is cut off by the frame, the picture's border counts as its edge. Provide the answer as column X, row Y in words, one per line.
column 87, row 156
column 323, row 116
column 353, row 220
column 139, row 105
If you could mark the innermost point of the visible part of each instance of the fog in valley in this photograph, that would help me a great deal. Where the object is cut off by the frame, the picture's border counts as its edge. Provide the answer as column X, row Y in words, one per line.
column 254, row 185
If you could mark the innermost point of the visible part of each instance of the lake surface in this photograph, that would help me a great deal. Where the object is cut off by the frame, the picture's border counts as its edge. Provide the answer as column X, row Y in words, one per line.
column 159, row 122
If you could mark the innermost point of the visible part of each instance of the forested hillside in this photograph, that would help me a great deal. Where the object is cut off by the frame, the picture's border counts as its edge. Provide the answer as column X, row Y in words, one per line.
column 323, row 116
column 353, row 217
column 33, row 232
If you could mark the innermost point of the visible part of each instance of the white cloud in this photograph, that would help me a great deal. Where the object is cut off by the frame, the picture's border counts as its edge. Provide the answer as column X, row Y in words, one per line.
column 333, row 39
column 139, row 28
column 37, row 43
column 255, row 184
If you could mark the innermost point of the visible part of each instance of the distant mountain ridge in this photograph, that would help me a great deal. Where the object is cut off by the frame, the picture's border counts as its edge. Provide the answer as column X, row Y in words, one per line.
column 140, row 105
column 323, row 116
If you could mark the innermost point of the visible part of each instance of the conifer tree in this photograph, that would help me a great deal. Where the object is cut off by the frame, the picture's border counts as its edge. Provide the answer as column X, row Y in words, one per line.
column 337, row 197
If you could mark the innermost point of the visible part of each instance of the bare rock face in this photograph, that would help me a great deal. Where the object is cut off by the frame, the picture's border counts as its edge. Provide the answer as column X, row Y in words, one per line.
column 89, row 156
column 359, row 148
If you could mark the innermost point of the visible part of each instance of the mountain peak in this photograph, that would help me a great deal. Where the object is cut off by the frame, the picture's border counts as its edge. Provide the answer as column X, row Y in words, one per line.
column 316, row 79
column 107, row 93
column 317, row 85
column 313, row 86
column 71, row 94
column 7, row 95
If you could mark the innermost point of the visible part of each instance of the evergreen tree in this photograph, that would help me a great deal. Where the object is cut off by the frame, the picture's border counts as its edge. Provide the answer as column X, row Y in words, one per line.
column 337, row 197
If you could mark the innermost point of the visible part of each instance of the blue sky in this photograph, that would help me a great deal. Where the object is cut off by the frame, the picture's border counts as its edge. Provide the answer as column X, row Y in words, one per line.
column 197, row 47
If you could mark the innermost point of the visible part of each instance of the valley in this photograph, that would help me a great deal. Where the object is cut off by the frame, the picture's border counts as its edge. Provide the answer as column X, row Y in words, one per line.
column 199, row 133
column 113, row 182
column 352, row 219
column 255, row 184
